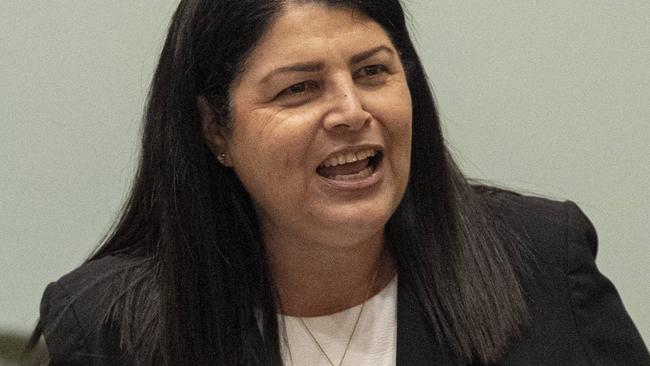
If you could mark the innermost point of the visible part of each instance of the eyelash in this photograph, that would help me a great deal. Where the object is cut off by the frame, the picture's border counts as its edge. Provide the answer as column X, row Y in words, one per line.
column 380, row 69
column 306, row 85
column 303, row 85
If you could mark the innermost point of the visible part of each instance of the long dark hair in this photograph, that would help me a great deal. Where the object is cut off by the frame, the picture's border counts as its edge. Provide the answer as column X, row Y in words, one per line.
column 200, row 291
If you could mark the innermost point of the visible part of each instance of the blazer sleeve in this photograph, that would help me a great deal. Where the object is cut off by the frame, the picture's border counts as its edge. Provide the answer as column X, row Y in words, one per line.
column 606, row 331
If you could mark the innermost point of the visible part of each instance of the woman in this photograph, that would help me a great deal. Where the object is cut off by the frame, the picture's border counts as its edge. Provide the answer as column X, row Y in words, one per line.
column 295, row 204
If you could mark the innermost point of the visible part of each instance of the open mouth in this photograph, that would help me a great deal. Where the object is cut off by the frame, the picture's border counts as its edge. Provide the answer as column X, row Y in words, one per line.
column 351, row 166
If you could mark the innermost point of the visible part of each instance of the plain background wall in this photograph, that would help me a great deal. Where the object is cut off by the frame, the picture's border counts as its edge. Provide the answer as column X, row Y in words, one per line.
column 551, row 97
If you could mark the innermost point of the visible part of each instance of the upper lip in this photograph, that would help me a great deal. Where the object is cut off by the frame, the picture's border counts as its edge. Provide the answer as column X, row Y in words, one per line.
column 351, row 149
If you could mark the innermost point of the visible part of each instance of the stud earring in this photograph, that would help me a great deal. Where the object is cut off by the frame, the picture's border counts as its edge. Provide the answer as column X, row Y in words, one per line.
column 222, row 158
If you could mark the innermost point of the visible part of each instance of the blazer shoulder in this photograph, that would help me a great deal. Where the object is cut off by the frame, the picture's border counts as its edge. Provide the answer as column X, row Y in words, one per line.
column 564, row 244
column 74, row 312
column 543, row 226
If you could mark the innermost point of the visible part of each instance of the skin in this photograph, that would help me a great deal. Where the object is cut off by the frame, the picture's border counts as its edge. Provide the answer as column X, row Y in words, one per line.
column 325, row 244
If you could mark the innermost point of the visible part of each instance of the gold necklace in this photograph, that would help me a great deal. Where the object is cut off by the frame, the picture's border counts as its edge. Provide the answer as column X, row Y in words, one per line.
column 354, row 328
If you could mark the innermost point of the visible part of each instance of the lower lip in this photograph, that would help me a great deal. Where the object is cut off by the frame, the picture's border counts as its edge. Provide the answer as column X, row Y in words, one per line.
column 357, row 184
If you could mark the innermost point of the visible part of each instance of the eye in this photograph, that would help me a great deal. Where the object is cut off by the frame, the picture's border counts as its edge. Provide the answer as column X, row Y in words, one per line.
column 372, row 75
column 298, row 89
column 371, row 71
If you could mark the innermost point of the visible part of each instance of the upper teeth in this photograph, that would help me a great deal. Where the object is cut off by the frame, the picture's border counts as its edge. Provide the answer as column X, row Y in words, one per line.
column 349, row 157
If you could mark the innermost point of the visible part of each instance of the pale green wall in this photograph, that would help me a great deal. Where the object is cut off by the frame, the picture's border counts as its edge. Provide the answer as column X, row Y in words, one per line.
column 551, row 97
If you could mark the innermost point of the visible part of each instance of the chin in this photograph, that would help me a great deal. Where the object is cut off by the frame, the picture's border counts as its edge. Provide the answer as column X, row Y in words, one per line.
column 357, row 223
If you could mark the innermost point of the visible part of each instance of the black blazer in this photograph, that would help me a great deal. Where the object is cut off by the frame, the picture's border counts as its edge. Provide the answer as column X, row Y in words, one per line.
column 576, row 315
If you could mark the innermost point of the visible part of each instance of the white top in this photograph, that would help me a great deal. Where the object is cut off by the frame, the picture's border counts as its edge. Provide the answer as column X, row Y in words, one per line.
column 373, row 344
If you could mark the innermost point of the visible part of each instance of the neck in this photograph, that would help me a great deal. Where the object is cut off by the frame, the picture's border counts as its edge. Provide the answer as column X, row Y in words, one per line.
column 316, row 280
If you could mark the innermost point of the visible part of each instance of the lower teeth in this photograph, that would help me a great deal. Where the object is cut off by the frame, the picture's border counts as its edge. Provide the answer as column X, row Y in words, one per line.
column 360, row 175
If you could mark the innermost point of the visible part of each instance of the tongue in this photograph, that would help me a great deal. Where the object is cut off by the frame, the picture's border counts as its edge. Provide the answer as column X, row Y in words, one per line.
column 344, row 169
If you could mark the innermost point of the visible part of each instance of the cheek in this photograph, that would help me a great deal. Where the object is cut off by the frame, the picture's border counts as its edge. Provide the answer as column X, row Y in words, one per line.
column 397, row 117
column 394, row 111
column 271, row 146
column 403, row 116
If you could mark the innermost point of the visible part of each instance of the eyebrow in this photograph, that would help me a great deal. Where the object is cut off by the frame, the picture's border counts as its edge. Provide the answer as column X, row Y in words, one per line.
column 371, row 52
column 318, row 66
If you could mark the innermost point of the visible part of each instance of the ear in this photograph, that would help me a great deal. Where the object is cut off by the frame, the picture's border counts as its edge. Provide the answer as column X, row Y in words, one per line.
column 215, row 135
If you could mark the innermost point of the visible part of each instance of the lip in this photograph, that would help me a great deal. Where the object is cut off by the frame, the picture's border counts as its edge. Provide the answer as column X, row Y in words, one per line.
column 358, row 184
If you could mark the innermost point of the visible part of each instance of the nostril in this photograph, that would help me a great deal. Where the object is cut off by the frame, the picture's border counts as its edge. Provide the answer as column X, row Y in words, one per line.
column 347, row 121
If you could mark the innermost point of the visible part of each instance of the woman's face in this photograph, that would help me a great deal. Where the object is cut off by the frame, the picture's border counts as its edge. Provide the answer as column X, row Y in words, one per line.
column 321, row 127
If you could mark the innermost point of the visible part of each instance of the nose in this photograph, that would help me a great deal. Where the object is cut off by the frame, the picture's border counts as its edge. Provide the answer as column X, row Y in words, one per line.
column 347, row 112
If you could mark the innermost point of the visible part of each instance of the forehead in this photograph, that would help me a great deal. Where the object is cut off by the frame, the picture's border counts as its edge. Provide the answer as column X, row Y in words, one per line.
column 314, row 30
column 319, row 19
